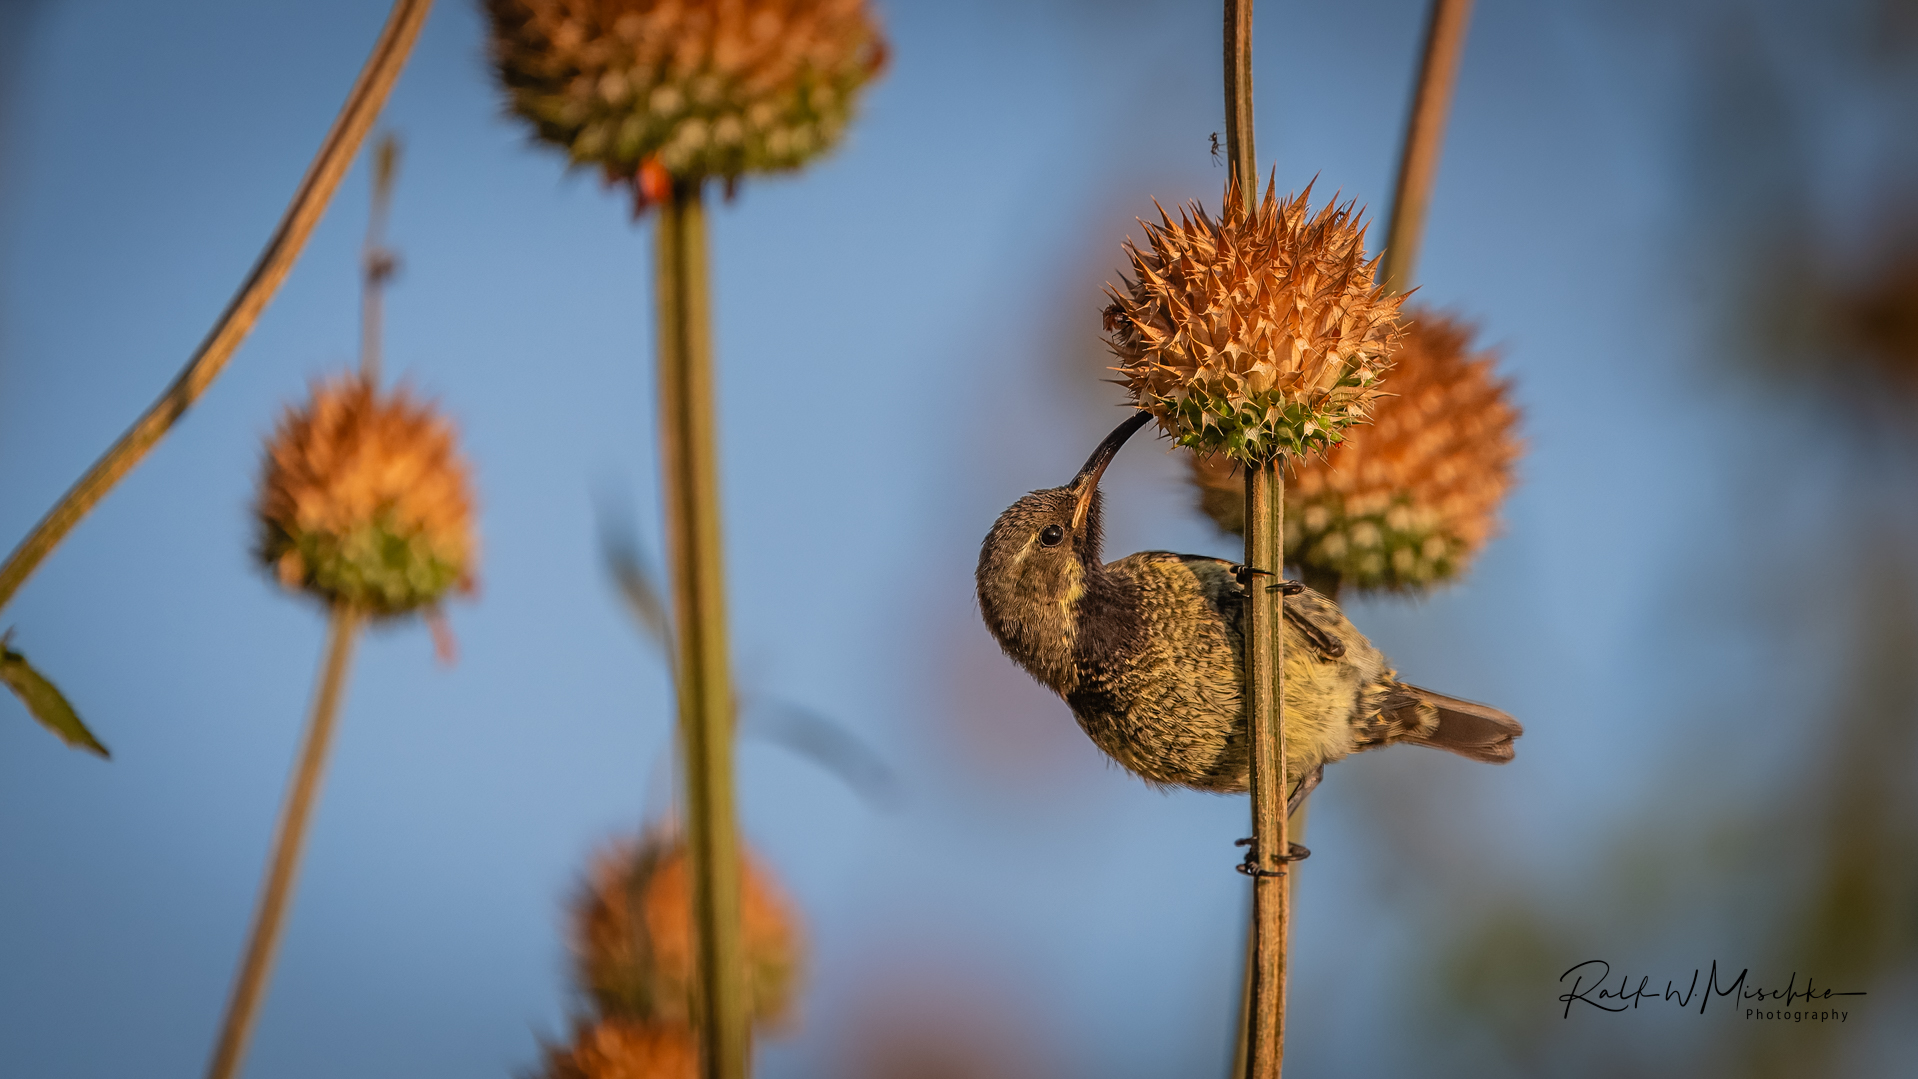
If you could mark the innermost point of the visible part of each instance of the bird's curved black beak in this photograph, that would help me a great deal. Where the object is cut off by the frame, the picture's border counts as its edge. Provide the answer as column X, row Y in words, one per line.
column 1087, row 481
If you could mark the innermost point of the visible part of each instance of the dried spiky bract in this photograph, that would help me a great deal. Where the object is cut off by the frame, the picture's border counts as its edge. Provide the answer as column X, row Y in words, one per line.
column 364, row 500
column 702, row 87
column 633, row 935
column 1407, row 501
column 1255, row 333
column 624, row 1049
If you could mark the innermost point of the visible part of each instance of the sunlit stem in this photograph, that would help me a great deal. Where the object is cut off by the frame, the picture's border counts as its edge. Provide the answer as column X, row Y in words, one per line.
column 1264, row 667
column 1264, row 645
column 1424, row 138
column 309, row 202
column 689, row 463
column 289, row 842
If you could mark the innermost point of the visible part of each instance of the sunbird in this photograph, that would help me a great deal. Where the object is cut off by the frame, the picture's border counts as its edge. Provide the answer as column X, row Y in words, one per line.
column 1148, row 652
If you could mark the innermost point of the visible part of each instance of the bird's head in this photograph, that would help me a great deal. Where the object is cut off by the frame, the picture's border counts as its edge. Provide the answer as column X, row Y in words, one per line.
column 1035, row 564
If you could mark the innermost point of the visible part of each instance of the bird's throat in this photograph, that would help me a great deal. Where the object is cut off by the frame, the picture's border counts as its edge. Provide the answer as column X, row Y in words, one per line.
column 1108, row 620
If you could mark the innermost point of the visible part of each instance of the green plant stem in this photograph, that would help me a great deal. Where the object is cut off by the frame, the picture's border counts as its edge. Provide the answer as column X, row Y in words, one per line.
column 1264, row 645
column 1424, row 138
column 309, row 203
column 1264, row 666
column 691, row 483
column 1418, row 168
column 1295, row 832
column 289, row 841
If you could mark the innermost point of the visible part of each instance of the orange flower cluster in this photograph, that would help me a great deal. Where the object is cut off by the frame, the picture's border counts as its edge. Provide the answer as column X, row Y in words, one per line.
column 697, row 88
column 633, row 941
column 1409, row 500
column 626, row 1049
column 364, row 500
column 633, row 934
column 1255, row 333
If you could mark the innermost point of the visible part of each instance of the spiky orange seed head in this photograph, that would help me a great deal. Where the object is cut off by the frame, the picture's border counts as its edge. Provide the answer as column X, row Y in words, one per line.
column 700, row 88
column 633, row 934
column 1255, row 333
column 1407, row 501
column 364, row 500
column 626, row 1049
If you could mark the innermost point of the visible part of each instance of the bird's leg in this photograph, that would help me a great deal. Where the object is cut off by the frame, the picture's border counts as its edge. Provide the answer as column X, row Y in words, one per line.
column 1288, row 588
column 1244, row 574
column 1329, row 646
column 1250, row 867
column 1295, row 852
column 1307, row 783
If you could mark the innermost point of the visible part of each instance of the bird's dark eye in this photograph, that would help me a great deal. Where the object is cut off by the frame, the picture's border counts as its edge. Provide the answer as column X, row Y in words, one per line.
column 1052, row 535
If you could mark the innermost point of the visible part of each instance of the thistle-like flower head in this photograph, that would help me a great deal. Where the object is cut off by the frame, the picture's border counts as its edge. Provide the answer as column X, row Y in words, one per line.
column 625, row 1049
column 1407, row 501
column 698, row 88
column 364, row 500
column 633, row 935
column 1256, row 333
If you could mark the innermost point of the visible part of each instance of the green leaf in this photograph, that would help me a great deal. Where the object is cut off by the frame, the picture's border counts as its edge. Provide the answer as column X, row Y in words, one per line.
column 45, row 701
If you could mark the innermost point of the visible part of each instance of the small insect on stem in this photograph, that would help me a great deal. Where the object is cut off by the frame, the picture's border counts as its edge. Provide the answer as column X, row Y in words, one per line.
column 1218, row 150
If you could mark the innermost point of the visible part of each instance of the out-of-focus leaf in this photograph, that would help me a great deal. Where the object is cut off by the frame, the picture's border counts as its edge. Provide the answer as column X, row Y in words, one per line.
column 638, row 587
column 807, row 733
column 828, row 744
column 45, row 701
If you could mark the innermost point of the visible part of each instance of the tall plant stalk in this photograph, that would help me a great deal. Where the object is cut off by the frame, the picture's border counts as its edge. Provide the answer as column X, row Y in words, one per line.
column 1445, row 30
column 1249, row 942
column 289, row 842
column 316, row 189
column 1264, row 675
column 1264, row 645
column 1424, row 138
column 689, row 462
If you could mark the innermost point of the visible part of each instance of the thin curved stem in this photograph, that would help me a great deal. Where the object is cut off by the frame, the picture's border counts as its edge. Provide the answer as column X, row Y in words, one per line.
column 309, row 203
column 1424, row 138
column 289, row 841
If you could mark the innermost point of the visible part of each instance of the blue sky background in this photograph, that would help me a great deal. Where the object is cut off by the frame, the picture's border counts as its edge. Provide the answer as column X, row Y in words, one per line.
column 907, row 339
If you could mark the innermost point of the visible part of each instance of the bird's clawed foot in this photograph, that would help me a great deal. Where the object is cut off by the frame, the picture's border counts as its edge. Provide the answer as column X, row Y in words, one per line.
column 1250, row 867
column 1243, row 574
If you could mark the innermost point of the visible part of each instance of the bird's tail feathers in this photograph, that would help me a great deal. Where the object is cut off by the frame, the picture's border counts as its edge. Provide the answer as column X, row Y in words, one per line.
column 1467, row 728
